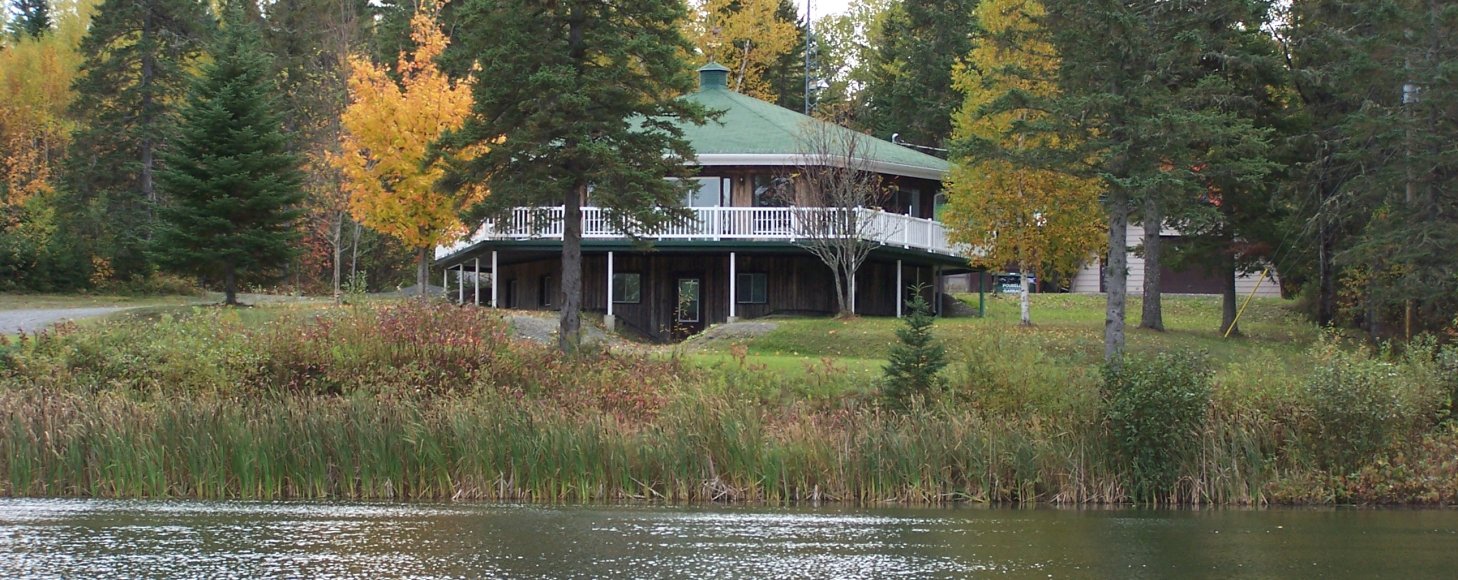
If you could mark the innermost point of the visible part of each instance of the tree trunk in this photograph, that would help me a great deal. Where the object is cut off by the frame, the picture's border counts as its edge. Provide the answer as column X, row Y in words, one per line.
column 570, row 326
column 354, row 252
column 230, row 286
column 1025, row 306
column 145, row 88
column 1152, row 316
column 1326, row 277
column 422, row 272
column 835, row 277
column 1228, row 298
column 1116, row 278
column 336, row 238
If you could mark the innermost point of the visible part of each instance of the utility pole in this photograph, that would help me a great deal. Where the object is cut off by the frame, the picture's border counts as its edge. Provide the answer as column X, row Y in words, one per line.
column 1409, row 99
column 809, row 38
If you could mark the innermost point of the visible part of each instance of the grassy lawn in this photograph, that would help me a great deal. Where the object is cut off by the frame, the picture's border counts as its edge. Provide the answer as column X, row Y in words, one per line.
column 1067, row 327
column 10, row 301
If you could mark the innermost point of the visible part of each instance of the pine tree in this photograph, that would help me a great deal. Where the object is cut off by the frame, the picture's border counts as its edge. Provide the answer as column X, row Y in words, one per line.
column 233, row 181
column 1376, row 81
column 911, row 92
column 311, row 42
column 582, row 92
column 1146, row 111
column 136, row 56
column 913, row 364
column 32, row 18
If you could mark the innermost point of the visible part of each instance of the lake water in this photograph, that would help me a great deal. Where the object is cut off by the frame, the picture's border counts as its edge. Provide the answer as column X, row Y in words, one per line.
column 82, row 538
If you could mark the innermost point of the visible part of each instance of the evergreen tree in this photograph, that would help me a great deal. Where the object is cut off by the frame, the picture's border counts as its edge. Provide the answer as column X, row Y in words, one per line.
column 1148, row 116
column 31, row 18
column 913, row 364
column 842, row 59
column 1235, row 227
column 1376, row 82
column 787, row 74
column 577, row 93
column 136, row 56
column 311, row 42
column 232, row 178
column 911, row 92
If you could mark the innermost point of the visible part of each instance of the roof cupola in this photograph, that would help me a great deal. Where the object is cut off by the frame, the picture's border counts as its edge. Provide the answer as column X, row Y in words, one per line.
column 713, row 76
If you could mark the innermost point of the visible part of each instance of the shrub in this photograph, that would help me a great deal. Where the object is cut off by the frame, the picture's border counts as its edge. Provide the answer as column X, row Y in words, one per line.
column 912, row 369
column 1360, row 405
column 1006, row 373
column 1156, row 406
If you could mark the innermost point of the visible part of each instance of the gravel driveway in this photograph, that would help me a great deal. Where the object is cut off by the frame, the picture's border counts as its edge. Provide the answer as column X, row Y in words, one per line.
column 31, row 321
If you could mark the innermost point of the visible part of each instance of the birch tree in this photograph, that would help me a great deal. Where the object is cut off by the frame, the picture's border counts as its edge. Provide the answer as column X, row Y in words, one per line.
column 1007, row 207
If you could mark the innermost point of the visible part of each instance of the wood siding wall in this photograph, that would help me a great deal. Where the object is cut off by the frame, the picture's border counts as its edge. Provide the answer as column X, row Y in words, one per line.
column 1194, row 281
column 794, row 285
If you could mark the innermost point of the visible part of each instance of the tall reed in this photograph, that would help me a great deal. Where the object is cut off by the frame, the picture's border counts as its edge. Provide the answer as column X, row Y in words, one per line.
column 434, row 402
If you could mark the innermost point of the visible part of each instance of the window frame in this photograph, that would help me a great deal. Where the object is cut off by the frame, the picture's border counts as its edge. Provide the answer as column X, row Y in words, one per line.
column 744, row 293
column 618, row 297
column 544, row 292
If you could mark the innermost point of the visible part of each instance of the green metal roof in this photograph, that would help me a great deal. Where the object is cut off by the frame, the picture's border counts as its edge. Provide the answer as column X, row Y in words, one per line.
column 753, row 132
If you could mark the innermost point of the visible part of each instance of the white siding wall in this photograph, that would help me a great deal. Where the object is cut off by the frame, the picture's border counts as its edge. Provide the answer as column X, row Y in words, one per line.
column 1086, row 281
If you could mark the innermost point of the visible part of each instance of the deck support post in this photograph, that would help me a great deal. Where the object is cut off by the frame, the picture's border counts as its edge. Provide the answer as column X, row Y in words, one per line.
column 981, row 294
column 733, row 287
column 852, row 292
column 937, row 290
column 476, row 277
column 461, row 283
column 900, row 290
column 495, row 288
column 610, row 321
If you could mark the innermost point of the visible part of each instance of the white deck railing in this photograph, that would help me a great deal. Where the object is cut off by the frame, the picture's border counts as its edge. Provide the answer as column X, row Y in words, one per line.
column 787, row 224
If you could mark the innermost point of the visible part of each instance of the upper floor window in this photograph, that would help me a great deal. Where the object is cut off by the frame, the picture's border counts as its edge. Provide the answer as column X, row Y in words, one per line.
column 710, row 192
column 773, row 190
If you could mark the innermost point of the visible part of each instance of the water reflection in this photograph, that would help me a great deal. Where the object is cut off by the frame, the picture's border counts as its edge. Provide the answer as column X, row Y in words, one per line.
column 70, row 538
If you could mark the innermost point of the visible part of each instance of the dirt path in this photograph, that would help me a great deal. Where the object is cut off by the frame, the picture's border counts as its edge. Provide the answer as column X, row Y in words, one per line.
column 35, row 320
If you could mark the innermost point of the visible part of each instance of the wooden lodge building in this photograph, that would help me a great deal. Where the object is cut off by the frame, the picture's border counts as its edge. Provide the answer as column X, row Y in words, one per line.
column 741, row 257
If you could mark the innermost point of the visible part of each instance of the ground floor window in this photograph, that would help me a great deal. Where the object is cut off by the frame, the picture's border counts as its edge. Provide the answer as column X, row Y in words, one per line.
column 627, row 288
column 545, row 291
column 688, row 300
column 753, row 288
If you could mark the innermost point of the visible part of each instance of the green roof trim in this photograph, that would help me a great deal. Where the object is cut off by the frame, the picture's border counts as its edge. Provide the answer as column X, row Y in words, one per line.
column 753, row 132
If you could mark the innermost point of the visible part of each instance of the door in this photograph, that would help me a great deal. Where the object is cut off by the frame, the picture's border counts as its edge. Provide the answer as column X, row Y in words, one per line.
column 688, row 316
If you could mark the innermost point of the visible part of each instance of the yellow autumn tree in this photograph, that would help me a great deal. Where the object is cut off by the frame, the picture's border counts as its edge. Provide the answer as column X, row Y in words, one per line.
column 747, row 36
column 388, row 129
column 35, row 90
column 1005, row 198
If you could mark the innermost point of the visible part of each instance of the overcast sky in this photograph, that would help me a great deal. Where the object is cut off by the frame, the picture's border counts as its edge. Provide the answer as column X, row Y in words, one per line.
column 820, row 8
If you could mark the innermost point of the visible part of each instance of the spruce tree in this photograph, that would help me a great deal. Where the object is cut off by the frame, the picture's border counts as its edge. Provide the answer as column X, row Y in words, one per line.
column 583, row 92
column 31, row 18
column 136, row 56
column 911, row 91
column 913, row 364
column 233, row 181
column 1376, row 81
column 1151, row 119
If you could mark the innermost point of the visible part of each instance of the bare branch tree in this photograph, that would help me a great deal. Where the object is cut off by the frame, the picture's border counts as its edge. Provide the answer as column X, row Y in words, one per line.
column 837, row 215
